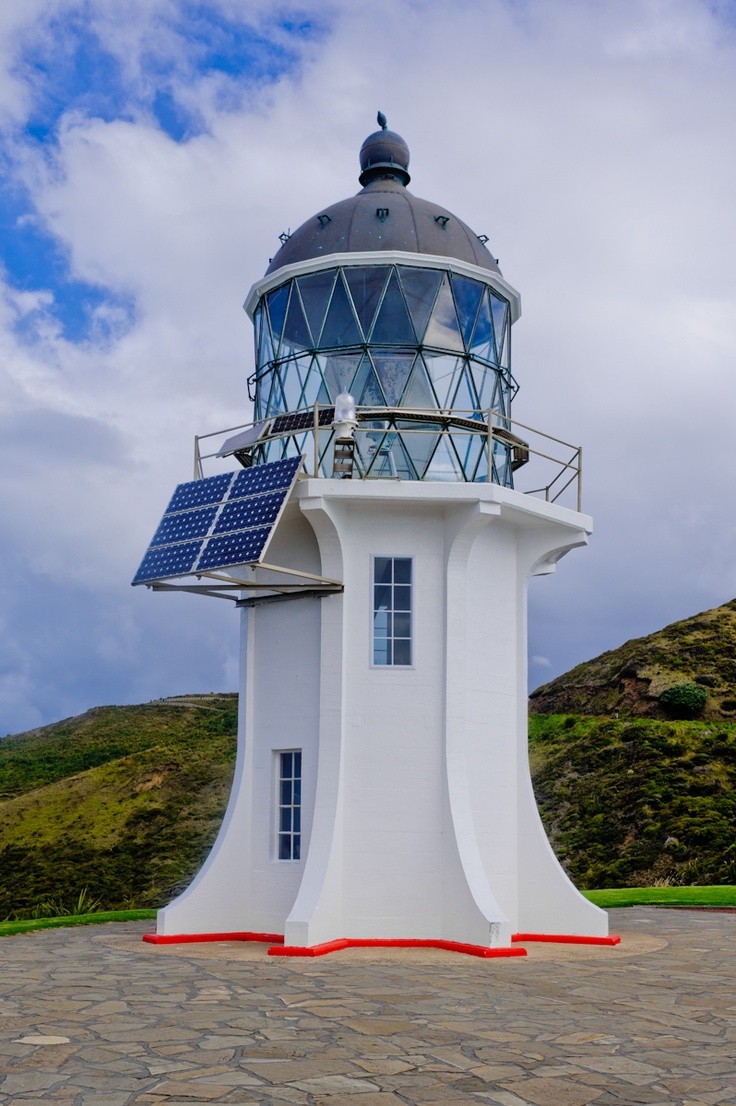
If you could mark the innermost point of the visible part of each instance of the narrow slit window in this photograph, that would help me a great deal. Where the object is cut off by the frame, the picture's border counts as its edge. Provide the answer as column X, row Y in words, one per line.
column 392, row 611
column 289, row 831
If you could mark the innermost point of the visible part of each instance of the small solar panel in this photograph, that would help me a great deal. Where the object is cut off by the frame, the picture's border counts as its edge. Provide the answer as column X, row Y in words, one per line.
column 232, row 515
column 302, row 420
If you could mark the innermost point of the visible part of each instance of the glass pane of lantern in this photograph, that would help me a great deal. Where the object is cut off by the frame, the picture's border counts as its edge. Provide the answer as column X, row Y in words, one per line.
column 469, row 448
column 276, row 402
column 366, row 283
column 485, row 380
column 419, row 394
column 420, row 442
column 277, row 301
column 444, row 464
column 338, row 370
column 295, row 334
column 392, row 322
column 443, row 331
column 392, row 460
column 481, row 344
column 292, row 386
column 467, row 298
column 499, row 309
column 393, row 371
column 465, row 400
column 314, row 390
column 265, row 348
column 341, row 327
column 366, row 389
column 443, row 371
column 315, row 291
column 420, row 289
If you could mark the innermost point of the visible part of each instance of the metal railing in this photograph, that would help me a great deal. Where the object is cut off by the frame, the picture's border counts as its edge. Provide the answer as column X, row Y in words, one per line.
column 535, row 457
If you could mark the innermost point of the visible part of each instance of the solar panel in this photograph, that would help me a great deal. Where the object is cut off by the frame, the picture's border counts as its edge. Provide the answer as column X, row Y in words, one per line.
column 231, row 516
column 302, row 420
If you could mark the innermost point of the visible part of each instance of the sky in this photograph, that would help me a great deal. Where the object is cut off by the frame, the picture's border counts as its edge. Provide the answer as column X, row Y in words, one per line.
column 149, row 164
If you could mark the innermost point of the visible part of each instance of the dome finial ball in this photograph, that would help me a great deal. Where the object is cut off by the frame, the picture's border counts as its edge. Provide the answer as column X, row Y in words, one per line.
column 384, row 154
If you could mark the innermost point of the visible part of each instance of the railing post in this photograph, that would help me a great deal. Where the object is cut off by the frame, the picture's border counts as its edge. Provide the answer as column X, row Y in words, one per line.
column 316, row 440
column 490, row 447
column 580, row 478
column 197, row 462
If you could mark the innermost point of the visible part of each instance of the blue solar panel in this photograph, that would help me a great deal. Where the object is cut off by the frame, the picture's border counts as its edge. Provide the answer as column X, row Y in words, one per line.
column 186, row 524
column 257, row 510
column 234, row 549
column 171, row 560
column 197, row 493
column 232, row 515
column 264, row 478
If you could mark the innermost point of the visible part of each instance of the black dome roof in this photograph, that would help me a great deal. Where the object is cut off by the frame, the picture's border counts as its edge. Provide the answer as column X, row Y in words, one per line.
column 384, row 215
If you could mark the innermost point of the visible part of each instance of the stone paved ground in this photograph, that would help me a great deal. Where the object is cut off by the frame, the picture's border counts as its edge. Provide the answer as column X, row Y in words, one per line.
column 92, row 1015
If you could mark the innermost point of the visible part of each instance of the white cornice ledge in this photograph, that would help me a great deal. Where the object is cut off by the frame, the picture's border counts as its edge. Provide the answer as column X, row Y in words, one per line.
column 385, row 257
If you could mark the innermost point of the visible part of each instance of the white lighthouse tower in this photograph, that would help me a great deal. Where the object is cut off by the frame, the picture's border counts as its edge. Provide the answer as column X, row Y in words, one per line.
column 379, row 554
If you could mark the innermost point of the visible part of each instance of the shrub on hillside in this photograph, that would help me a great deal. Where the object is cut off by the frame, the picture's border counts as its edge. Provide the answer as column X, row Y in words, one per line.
column 684, row 700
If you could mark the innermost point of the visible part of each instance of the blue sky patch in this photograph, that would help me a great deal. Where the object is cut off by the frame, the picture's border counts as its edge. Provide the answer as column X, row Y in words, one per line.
column 35, row 261
column 68, row 68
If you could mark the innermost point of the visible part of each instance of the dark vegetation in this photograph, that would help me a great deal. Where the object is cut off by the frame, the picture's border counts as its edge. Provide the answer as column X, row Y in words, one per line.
column 641, row 676
column 120, row 804
column 636, row 802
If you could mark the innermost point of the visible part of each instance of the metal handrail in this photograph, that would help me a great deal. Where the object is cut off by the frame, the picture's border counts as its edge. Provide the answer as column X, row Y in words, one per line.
column 487, row 424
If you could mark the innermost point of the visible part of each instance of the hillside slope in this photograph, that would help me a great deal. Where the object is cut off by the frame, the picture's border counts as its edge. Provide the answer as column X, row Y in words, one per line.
column 629, row 680
column 635, row 801
column 125, row 801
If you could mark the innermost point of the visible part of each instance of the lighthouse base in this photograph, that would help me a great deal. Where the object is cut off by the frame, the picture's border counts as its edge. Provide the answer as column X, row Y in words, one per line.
column 392, row 802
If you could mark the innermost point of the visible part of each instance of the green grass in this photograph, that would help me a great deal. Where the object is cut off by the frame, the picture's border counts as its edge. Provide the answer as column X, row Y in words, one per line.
column 607, row 897
column 663, row 896
column 8, row 929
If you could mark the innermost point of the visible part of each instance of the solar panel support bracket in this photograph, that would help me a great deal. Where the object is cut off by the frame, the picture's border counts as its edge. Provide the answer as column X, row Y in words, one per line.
column 299, row 572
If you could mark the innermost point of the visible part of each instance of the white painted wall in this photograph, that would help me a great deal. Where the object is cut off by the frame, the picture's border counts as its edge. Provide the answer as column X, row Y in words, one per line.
column 420, row 818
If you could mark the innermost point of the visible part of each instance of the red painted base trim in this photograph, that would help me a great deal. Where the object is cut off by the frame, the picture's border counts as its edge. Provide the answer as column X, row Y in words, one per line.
column 392, row 943
column 190, row 938
column 566, row 938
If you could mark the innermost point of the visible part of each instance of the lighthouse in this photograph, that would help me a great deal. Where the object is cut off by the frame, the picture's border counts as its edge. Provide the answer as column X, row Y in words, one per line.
column 373, row 535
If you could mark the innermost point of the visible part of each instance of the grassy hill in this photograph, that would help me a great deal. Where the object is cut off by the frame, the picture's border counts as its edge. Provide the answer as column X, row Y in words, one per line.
column 628, row 793
column 700, row 650
column 125, row 801
column 637, row 801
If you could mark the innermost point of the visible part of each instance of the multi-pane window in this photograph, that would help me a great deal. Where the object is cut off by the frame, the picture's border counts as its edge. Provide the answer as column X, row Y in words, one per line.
column 392, row 629
column 289, row 833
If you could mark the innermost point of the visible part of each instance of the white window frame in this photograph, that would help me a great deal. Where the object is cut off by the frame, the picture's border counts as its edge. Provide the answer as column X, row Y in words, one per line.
column 392, row 614
column 288, row 826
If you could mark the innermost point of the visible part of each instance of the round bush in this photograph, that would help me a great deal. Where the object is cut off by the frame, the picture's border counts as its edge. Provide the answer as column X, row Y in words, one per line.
column 684, row 700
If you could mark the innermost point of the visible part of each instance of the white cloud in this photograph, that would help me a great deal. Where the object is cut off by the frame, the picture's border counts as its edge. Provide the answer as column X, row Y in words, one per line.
column 593, row 143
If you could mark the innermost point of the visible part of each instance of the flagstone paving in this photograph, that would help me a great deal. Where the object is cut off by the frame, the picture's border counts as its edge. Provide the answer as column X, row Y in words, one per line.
column 93, row 1015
